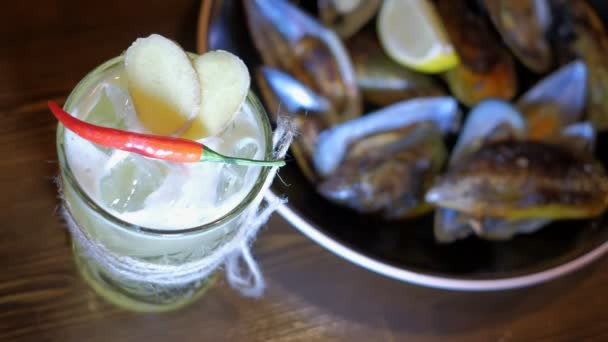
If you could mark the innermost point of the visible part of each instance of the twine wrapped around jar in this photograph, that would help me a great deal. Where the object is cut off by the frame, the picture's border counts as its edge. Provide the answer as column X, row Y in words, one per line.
column 234, row 253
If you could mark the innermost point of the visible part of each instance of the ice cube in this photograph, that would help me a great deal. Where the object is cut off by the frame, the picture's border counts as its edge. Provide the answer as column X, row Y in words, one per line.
column 171, row 190
column 123, row 105
column 129, row 179
column 105, row 111
column 112, row 107
column 232, row 177
column 84, row 159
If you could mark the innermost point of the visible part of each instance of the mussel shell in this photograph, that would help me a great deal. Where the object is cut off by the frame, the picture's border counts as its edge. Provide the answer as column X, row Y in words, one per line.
column 580, row 33
column 559, row 97
column 486, row 69
column 333, row 142
column 451, row 225
column 347, row 21
column 381, row 80
column 319, row 69
column 490, row 120
column 273, row 44
column 483, row 124
column 543, row 121
column 501, row 229
column 388, row 173
column 303, row 146
column 524, row 180
column 291, row 40
column 282, row 93
column 522, row 25
column 311, row 113
column 579, row 136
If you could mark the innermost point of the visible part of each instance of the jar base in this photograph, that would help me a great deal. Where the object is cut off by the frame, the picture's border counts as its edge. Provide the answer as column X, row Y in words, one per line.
column 138, row 298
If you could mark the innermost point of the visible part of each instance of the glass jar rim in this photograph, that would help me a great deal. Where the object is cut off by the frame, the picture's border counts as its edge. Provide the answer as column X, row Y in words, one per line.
column 66, row 171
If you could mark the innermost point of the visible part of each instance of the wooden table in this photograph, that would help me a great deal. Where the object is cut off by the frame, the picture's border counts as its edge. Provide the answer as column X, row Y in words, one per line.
column 45, row 48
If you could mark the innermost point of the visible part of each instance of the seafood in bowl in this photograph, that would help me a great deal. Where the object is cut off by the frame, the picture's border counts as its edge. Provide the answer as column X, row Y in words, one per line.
column 410, row 247
column 525, row 145
column 383, row 140
column 527, row 76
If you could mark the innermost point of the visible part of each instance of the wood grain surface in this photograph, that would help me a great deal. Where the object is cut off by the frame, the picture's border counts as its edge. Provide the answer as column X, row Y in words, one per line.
column 45, row 48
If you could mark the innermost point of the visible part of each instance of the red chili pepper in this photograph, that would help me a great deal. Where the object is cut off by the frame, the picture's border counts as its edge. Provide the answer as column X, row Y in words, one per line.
column 152, row 146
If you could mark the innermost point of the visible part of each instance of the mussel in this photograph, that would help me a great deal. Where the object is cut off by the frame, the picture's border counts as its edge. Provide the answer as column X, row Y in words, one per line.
column 384, row 162
column 292, row 41
column 311, row 112
column 579, row 33
column 515, row 184
column 451, row 225
column 486, row 69
column 381, row 80
column 333, row 143
column 514, row 169
column 489, row 121
column 555, row 102
column 519, row 180
column 388, row 173
column 294, row 96
column 580, row 136
column 523, row 25
column 347, row 17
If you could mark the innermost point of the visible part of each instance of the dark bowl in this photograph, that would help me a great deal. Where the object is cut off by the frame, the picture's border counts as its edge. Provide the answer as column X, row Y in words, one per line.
column 407, row 250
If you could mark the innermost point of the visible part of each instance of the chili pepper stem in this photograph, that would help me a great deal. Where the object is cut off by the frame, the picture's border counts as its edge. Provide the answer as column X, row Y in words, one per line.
column 210, row 155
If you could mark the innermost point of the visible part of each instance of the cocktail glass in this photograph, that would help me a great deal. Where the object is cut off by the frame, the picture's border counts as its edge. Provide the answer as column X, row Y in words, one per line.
column 93, row 224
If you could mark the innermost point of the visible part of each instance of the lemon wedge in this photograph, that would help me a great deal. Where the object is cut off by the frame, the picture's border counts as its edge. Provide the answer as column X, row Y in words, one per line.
column 224, row 80
column 412, row 34
column 163, row 85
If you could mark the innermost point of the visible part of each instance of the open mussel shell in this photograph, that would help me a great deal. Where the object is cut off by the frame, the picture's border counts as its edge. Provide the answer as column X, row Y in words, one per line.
column 579, row 33
column 491, row 228
column 523, row 25
column 291, row 40
column 284, row 94
column 579, row 136
column 490, row 120
column 451, row 225
column 487, row 69
column 381, row 80
column 333, row 143
column 556, row 101
column 347, row 17
column 293, row 95
column 388, row 173
column 519, row 180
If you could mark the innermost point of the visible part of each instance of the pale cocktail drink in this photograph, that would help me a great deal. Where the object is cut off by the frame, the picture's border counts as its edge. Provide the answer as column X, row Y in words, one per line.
column 154, row 211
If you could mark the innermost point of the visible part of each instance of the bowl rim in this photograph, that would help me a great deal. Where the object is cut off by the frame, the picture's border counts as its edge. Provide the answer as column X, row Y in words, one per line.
column 439, row 282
